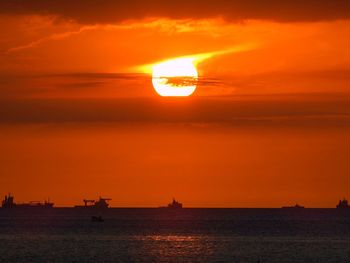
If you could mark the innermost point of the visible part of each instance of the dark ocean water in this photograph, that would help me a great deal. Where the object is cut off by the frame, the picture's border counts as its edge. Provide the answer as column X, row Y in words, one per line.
column 187, row 235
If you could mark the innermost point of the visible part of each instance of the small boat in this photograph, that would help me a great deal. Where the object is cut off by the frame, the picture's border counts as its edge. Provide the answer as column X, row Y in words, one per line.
column 97, row 219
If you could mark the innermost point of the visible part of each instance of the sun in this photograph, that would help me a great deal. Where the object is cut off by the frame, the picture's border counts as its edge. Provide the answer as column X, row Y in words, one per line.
column 175, row 78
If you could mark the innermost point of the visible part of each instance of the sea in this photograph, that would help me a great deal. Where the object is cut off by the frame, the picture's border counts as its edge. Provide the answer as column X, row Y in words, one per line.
column 184, row 235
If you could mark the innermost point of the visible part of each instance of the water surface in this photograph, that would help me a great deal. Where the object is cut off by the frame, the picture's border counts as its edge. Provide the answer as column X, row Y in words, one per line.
column 187, row 235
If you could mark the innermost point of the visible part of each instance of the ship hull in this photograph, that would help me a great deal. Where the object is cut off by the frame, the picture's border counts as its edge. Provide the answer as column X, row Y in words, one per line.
column 27, row 208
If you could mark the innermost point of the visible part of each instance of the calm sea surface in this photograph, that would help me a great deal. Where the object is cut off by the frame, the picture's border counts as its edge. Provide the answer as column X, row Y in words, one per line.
column 188, row 235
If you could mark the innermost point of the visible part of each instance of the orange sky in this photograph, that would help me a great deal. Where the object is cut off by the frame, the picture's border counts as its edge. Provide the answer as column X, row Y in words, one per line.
column 268, row 124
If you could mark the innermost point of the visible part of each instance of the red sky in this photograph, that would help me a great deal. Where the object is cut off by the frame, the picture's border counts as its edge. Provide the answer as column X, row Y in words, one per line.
column 267, row 126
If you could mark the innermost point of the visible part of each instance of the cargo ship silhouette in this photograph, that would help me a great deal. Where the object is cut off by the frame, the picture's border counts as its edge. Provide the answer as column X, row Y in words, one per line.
column 343, row 204
column 100, row 204
column 296, row 207
column 9, row 202
column 173, row 205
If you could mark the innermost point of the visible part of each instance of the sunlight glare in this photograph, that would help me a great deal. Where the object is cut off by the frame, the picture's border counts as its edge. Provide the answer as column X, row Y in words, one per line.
column 175, row 78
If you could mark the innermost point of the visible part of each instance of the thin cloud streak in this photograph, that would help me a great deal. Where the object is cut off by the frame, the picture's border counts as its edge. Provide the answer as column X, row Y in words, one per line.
column 49, row 38
column 199, row 58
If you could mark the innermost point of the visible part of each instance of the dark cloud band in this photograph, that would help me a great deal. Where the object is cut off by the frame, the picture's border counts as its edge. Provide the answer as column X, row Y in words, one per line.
column 327, row 110
column 109, row 11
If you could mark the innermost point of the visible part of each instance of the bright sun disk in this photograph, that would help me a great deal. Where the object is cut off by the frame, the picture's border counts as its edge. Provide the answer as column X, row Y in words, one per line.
column 175, row 78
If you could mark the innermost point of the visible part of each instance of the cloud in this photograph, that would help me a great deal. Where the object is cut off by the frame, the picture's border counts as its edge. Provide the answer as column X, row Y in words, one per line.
column 48, row 38
column 78, row 85
column 110, row 11
column 307, row 110
column 134, row 85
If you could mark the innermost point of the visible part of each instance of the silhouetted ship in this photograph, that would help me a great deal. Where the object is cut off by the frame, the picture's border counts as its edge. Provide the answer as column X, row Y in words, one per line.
column 8, row 202
column 343, row 204
column 296, row 207
column 100, row 204
column 173, row 205
column 97, row 219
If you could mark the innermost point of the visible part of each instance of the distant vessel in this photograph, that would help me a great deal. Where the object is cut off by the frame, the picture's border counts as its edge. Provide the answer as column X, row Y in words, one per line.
column 9, row 202
column 343, row 204
column 97, row 219
column 100, row 204
column 173, row 205
column 296, row 207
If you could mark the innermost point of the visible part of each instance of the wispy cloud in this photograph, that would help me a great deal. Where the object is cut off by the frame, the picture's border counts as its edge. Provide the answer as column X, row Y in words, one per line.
column 201, row 57
column 40, row 41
